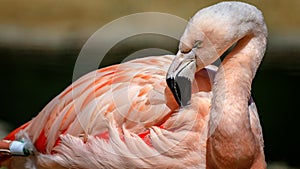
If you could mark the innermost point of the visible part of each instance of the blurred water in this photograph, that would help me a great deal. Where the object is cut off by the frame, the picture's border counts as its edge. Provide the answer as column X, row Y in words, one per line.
column 5, row 128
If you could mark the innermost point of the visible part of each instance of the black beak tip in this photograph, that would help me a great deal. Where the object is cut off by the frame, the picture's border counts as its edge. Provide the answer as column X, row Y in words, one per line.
column 181, row 88
column 174, row 89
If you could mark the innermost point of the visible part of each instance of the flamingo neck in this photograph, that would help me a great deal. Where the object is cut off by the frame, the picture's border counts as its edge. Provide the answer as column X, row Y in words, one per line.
column 231, row 138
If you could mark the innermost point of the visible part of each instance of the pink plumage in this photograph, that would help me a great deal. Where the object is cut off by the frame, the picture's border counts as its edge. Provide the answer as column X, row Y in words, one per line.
column 125, row 116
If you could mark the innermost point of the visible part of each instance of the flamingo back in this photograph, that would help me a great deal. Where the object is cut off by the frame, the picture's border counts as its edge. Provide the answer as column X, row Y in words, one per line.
column 124, row 112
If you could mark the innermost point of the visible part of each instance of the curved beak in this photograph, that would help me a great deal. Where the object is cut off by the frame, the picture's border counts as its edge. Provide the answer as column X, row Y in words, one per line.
column 180, row 76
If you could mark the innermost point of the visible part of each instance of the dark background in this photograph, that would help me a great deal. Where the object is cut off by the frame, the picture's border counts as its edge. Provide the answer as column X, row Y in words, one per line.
column 40, row 42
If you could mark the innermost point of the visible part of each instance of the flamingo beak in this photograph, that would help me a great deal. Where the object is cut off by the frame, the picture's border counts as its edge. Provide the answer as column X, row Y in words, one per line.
column 180, row 76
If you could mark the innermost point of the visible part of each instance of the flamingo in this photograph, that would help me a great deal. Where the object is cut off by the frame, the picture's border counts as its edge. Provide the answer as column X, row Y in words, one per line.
column 125, row 116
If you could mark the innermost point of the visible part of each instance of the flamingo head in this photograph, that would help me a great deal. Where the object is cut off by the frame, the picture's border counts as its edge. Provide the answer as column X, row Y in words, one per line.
column 183, row 68
column 209, row 33
column 195, row 52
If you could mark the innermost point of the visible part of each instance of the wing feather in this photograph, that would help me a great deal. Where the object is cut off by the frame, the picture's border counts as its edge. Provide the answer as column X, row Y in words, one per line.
column 132, row 93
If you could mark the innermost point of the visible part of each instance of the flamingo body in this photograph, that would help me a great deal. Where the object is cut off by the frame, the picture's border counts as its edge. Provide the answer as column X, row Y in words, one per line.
column 125, row 115
column 123, row 105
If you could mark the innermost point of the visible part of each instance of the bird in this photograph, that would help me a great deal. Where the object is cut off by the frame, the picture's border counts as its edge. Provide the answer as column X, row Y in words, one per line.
column 162, row 111
column 234, row 132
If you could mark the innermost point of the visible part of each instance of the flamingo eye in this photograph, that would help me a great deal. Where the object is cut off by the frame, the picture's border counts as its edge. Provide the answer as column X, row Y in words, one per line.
column 197, row 44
